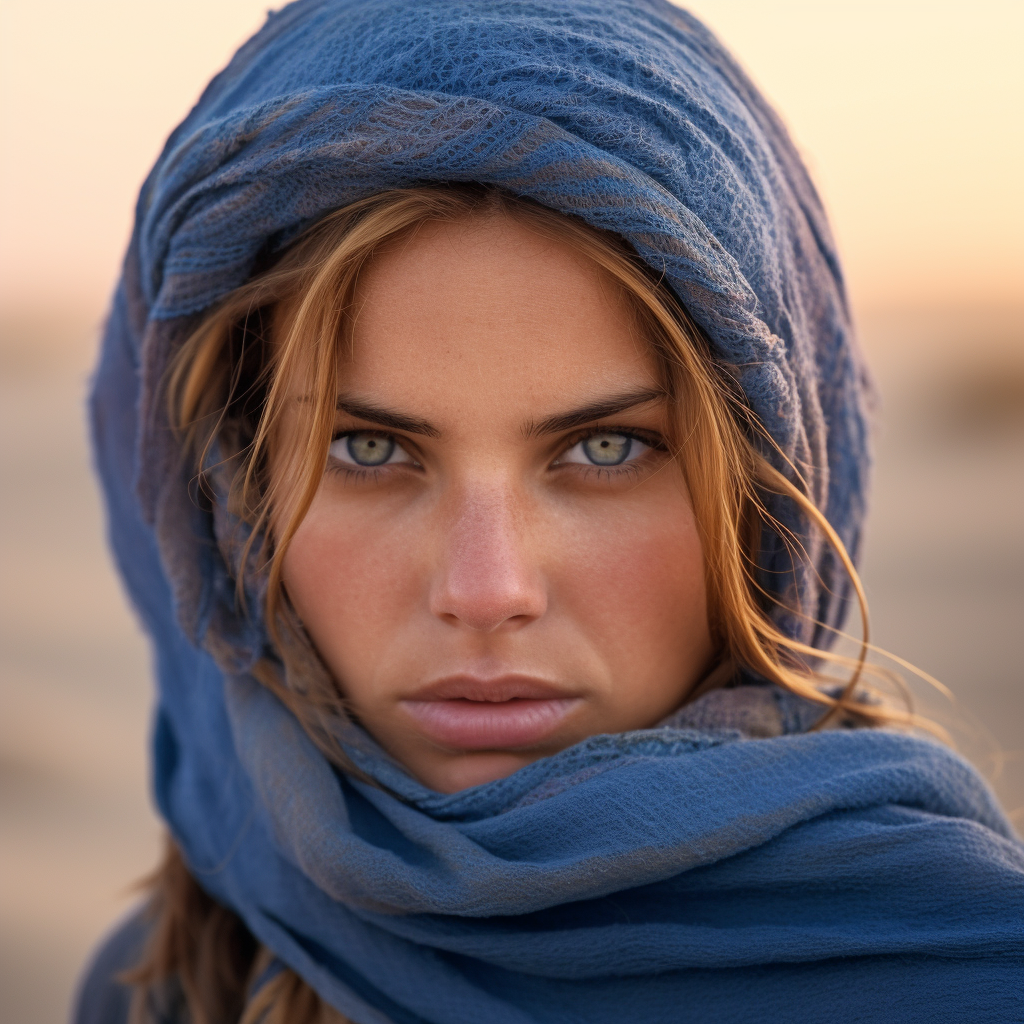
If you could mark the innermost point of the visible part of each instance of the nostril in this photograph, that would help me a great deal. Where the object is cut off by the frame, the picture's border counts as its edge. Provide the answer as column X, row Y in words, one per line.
column 487, row 601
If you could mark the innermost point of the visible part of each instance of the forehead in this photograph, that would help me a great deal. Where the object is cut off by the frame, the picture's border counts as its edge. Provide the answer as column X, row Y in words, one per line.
column 486, row 310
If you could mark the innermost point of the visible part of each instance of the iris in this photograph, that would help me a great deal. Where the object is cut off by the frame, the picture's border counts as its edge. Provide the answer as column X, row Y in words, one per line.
column 607, row 449
column 369, row 449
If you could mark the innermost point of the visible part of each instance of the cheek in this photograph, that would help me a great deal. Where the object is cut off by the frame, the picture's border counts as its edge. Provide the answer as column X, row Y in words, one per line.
column 351, row 583
column 636, row 584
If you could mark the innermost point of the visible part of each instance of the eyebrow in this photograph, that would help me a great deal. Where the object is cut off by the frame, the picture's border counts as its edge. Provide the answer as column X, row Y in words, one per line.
column 594, row 411
column 551, row 425
column 385, row 417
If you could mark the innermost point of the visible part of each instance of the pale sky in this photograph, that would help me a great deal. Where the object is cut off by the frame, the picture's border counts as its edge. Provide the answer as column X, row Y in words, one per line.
column 908, row 112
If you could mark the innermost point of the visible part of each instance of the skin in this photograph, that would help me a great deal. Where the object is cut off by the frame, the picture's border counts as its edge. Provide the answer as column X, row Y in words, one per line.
column 488, row 556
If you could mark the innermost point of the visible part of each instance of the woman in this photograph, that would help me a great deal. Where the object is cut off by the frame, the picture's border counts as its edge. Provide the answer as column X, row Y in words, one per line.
column 484, row 439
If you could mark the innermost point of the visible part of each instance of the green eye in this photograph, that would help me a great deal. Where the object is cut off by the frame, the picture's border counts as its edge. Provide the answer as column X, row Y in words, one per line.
column 369, row 449
column 365, row 448
column 607, row 449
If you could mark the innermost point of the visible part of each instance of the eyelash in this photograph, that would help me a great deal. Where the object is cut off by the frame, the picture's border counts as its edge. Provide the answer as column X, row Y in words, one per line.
column 632, row 468
column 360, row 473
column 354, row 472
column 653, row 441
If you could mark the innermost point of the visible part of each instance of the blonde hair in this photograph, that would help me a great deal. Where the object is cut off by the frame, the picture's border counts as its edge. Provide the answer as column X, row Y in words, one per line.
column 228, row 389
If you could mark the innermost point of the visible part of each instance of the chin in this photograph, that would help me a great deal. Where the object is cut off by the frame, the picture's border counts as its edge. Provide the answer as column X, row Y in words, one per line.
column 454, row 772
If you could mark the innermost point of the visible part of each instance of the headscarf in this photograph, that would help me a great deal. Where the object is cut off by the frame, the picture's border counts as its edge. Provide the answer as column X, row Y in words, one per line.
column 649, row 875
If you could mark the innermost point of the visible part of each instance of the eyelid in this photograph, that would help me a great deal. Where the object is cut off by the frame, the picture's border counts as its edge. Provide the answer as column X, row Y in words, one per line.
column 651, row 438
column 408, row 446
column 410, row 450
column 340, row 432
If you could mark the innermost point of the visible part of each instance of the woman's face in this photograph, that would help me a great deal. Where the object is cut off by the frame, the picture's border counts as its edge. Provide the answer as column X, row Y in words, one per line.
column 501, row 559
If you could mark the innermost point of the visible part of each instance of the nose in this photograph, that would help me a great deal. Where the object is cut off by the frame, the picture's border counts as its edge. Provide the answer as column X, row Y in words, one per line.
column 488, row 577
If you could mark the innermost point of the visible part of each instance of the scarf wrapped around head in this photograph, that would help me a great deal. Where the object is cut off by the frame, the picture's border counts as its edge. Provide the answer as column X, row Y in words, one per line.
column 633, row 877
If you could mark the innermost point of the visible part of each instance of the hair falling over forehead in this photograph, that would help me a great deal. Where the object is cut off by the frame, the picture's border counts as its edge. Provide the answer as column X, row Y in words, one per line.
column 230, row 383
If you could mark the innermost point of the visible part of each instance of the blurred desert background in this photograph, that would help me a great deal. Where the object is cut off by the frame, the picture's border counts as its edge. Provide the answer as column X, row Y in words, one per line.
column 910, row 117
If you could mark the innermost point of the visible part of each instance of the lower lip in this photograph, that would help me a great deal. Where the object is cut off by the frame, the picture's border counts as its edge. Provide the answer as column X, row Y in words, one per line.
column 489, row 725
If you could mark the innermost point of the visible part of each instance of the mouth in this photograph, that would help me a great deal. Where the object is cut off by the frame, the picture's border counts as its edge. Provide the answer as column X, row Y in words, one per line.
column 466, row 713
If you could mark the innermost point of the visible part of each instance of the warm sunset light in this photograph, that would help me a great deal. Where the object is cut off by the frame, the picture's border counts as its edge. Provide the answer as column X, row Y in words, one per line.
column 909, row 115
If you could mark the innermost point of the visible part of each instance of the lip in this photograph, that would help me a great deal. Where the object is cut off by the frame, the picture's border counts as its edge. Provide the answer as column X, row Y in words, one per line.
column 468, row 713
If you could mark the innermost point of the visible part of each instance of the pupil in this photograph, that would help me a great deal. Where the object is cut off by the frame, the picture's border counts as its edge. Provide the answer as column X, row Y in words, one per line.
column 607, row 449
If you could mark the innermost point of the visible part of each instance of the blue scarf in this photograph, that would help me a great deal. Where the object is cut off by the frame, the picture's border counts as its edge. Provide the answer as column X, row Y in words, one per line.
column 707, row 869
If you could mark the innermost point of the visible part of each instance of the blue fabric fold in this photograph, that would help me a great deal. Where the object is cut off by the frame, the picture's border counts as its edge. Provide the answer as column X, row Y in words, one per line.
column 690, row 871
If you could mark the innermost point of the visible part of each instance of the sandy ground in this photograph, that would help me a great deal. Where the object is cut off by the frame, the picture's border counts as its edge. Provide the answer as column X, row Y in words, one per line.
column 943, row 565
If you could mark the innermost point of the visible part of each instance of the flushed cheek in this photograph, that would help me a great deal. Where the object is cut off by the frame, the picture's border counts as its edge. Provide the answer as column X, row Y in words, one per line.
column 353, row 584
column 627, row 616
column 634, row 584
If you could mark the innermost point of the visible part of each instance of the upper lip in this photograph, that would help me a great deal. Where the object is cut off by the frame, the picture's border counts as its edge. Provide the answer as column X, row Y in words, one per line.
column 495, row 689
